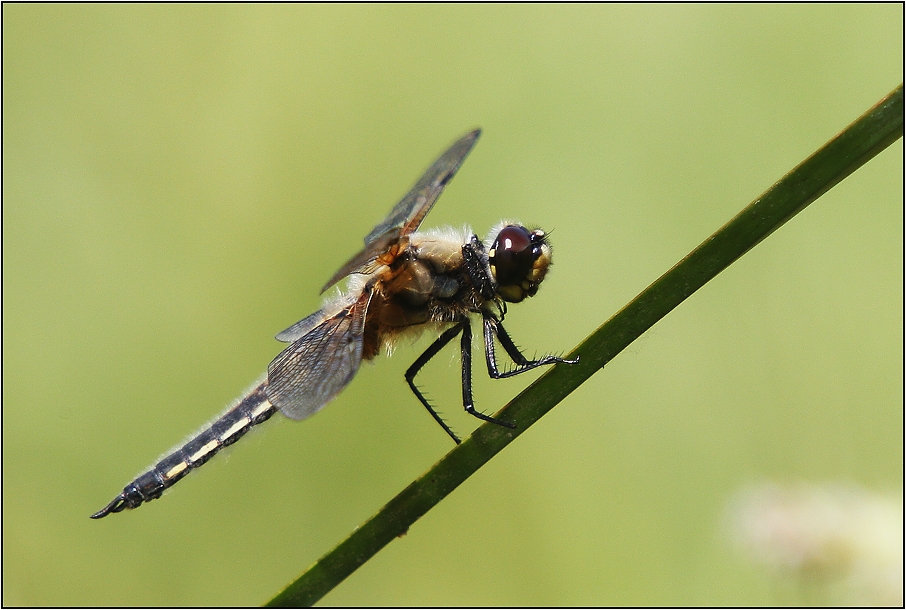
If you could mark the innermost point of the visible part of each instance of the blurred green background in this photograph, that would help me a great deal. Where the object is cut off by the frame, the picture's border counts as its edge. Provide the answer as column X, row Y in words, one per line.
column 180, row 180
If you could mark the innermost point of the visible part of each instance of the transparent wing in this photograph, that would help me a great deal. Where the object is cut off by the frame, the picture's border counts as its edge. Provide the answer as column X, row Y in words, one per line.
column 316, row 367
column 408, row 214
column 302, row 327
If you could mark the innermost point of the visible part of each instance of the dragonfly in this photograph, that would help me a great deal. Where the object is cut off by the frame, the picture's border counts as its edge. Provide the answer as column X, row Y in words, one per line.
column 403, row 281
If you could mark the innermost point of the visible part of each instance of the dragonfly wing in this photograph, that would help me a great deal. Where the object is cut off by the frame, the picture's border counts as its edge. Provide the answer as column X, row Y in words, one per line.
column 408, row 214
column 302, row 327
column 360, row 260
column 316, row 367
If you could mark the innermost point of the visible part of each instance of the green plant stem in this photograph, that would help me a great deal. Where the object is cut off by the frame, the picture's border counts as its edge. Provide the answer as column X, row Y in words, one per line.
column 849, row 150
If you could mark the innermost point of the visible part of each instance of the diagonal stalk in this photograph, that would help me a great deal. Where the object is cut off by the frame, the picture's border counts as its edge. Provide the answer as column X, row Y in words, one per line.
column 850, row 149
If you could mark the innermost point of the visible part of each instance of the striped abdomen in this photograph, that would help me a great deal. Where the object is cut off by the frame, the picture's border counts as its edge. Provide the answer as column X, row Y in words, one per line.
column 252, row 410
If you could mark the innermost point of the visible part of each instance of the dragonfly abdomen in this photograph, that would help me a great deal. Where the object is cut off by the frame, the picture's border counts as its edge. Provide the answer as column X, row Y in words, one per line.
column 253, row 409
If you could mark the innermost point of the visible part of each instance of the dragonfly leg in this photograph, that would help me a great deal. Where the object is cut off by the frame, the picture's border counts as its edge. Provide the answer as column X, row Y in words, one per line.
column 467, row 402
column 493, row 328
column 421, row 361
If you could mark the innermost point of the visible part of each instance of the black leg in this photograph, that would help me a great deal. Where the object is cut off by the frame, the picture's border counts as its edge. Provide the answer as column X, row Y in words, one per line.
column 466, row 355
column 493, row 328
column 422, row 360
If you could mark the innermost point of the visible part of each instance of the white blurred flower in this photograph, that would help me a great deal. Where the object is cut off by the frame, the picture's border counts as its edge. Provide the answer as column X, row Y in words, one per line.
column 844, row 538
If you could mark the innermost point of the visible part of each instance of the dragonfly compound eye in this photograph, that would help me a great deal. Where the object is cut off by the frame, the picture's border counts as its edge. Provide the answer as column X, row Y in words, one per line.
column 519, row 259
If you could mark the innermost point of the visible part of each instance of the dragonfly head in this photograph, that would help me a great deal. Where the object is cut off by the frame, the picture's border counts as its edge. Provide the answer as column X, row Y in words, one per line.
column 518, row 259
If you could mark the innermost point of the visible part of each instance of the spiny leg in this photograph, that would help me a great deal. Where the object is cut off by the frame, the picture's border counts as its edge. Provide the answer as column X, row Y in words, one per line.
column 467, row 402
column 422, row 360
column 493, row 328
